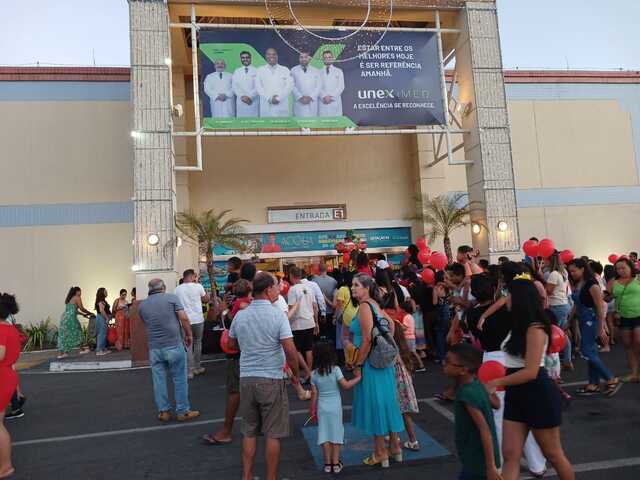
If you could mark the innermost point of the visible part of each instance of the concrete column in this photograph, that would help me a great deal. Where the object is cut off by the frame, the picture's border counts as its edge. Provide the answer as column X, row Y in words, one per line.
column 154, row 182
column 490, row 178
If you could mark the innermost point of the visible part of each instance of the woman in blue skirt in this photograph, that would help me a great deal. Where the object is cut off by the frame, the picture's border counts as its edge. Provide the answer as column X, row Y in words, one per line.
column 375, row 403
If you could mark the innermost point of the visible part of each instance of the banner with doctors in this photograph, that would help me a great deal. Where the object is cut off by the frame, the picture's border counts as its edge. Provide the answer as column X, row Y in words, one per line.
column 252, row 79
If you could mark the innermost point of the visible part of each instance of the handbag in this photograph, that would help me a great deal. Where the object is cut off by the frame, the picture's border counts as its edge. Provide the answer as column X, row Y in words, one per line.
column 383, row 350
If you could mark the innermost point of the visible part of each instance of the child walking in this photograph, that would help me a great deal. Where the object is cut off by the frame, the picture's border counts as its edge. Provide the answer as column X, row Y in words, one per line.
column 405, row 366
column 475, row 430
column 326, row 403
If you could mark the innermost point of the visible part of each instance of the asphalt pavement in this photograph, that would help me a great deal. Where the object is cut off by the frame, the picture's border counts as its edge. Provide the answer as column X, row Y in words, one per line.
column 101, row 425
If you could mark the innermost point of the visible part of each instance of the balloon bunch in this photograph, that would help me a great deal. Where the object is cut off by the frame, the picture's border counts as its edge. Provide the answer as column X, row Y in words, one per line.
column 545, row 248
column 431, row 261
column 351, row 243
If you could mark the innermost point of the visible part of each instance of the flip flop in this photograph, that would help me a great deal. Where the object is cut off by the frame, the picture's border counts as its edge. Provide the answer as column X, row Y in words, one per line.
column 211, row 440
column 8, row 473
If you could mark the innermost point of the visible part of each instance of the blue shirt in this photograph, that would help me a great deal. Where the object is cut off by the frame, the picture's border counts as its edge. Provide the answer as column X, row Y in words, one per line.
column 158, row 312
column 258, row 330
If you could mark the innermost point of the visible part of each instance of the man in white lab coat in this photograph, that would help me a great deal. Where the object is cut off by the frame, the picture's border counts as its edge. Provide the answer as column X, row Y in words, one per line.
column 217, row 86
column 244, row 88
column 331, row 88
column 306, row 87
column 274, row 85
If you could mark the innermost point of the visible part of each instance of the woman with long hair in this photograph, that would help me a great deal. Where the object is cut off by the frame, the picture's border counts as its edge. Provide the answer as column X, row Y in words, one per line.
column 626, row 291
column 589, row 310
column 121, row 314
column 375, row 402
column 9, row 354
column 532, row 401
column 70, row 330
column 558, row 291
column 103, row 315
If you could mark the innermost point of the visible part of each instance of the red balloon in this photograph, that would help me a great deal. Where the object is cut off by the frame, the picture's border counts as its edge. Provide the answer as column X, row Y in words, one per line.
column 423, row 256
column 546, row 248
column 345, row 259
column 224, row 343
column 439, row 260
column 530, row 247
column 566, row 256
column 428, row 276
column 613, row 258
column 421, row 243
column 491, row 370
column 284, row 287
column 558, row 339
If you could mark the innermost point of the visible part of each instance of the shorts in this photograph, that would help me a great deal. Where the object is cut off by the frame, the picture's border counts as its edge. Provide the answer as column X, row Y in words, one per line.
column 303, row 340
column 264, row 407
column 537, row 403
column 629, row 323
column 233, row 375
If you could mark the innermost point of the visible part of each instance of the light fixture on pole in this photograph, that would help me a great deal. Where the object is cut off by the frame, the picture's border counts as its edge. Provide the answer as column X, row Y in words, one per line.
column 476, row 228
column 153, row 239
column 135, row 268
column 503, row 226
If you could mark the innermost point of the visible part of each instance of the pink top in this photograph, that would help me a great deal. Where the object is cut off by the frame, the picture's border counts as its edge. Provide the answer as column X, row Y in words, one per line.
column 410, row 327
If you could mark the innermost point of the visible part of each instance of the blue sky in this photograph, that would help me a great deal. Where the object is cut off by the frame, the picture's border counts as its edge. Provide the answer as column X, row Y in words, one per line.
column 578, row 34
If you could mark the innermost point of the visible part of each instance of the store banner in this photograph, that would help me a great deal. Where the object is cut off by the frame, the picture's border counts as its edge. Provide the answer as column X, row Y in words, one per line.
column 252, row 79
column 320, row 240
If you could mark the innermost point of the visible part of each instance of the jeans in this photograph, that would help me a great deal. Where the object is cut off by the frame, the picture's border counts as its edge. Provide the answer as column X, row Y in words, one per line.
column 589, row 348
column 562, row 315
column 101, row 333
column 173, row 359
column 195, row 352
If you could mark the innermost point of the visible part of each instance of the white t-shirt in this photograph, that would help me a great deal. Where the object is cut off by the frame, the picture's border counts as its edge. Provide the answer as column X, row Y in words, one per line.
column 303, row 295
column 559, row 294
column 190, row 296
column 281, row 304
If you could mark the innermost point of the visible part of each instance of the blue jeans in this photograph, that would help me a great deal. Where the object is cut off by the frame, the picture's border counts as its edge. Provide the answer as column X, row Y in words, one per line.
column 589, row 348
column 562, row 315
column 101, row 333
column 173, row 359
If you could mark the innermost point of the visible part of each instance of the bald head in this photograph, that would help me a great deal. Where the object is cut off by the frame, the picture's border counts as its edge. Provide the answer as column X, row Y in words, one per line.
column 156, row 285
column 272, row 56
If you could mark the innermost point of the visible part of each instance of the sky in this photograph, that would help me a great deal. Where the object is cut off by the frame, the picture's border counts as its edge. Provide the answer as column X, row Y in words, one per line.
column 551, row 34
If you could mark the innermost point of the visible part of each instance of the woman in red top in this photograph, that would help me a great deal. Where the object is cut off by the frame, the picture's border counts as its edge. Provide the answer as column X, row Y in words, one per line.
column 9, row 353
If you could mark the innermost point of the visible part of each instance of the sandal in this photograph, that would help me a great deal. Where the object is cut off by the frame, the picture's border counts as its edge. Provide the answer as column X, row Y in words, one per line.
column 328, row 468
column 8, row 473
column 631, row 378
column 337, row 468
column 372, row 460
column 612, row 388
column 588, row 390
column 413, row 446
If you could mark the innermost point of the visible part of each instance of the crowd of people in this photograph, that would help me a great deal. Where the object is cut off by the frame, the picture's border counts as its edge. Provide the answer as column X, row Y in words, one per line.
column 367, row 327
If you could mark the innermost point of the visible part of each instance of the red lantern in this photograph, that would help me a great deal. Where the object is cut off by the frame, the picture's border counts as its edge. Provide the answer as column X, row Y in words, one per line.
column 530, row 248
column 340, row 247
column 546, row 248
column 558, row 339
column 428, row 276
column 362, row 245
column 421, row 243
column 423, row 256
column 491, row 370
column 566, row 256
column 439, row 260
column 613, row 258
column 224, row 343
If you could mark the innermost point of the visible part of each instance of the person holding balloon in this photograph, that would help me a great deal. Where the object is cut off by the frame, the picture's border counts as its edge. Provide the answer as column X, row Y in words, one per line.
column 558, row 293
column 589, row 309
column 532, row 401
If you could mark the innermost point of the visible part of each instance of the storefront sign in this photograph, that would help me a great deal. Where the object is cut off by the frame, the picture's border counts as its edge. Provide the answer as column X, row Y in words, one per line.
column 395, row 81
column 320, row 213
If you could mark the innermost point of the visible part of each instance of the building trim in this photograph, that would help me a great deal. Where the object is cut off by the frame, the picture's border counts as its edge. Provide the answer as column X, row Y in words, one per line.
column 65, row 214
column 577, row 196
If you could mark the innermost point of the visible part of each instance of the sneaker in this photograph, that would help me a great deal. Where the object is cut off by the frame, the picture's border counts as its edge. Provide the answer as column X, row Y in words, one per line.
column 164, row 416
column 102, row 353
column 19, row 413
column 188, row 415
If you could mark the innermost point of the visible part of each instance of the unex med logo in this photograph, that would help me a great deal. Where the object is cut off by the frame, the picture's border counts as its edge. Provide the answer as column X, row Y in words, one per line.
column 378, row 94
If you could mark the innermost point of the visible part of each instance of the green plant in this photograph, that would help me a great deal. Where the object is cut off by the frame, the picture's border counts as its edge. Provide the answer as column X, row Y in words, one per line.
column 41, row 335
column 87, row 339
column 211, row 228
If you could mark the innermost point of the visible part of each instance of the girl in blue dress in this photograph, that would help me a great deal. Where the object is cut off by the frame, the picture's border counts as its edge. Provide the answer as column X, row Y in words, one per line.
column 326, row 403
column 375, row 404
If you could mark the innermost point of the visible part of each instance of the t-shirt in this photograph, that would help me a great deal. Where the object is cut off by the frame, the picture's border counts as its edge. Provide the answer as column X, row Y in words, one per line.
column 281, row 304
column 158, row 312
column 559, row 294
column 259, row 328
column 327, row 385
column 350, row 310
column 328, row 287
column 584, row 294
column 190, row 296
column 317, row 292
column 410, row 326
column 303, row 295
column 495, row 330
column 468, row 442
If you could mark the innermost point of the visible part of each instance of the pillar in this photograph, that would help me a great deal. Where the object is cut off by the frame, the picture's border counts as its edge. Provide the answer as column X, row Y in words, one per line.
column 154, row 182
column 490, row 178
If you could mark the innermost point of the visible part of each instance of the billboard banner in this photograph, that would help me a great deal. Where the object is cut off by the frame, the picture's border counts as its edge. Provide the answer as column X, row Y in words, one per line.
column 252, row 79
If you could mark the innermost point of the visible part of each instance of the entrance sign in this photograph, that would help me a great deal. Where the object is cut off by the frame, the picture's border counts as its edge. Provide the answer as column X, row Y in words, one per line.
column 251, row 79
column 319, row 213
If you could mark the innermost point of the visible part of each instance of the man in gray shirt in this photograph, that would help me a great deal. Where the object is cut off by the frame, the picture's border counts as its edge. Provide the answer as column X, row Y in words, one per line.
column 328, row 287
column 169, row 335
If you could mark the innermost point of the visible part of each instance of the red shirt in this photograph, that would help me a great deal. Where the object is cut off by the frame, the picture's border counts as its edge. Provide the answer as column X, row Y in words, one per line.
column 237, row 304
column 10, row 339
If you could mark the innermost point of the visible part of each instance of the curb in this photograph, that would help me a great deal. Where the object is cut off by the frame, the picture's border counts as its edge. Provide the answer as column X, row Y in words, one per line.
column 79, row 366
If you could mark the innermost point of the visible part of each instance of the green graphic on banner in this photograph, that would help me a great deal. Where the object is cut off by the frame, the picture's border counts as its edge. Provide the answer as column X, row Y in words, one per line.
column 275, row 122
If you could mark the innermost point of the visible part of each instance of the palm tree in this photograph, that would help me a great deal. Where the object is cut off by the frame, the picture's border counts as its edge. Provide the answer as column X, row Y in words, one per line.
column 211, row 228
column 445, row 214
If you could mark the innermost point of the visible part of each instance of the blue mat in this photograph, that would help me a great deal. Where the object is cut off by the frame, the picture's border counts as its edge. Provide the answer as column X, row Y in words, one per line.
column 359, row 445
